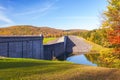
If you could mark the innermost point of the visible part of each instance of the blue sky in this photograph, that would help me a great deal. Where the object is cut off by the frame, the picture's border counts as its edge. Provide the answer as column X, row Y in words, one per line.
column 61, row 14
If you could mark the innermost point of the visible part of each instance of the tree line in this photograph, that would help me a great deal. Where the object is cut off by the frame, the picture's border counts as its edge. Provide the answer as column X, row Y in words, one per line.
column 109, row 33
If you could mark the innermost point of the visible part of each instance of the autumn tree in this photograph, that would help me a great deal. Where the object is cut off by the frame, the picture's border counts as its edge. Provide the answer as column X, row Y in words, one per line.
column 112, row 23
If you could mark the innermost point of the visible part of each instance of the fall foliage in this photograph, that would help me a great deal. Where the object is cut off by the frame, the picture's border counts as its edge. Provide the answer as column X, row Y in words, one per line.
column 112, row 22
column 33, row 30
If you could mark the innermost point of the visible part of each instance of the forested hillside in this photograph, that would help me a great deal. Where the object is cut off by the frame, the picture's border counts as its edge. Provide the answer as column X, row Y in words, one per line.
column 33, row 30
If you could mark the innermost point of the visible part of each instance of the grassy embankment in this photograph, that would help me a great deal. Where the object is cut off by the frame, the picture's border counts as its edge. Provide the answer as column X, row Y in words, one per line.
column 31, row 69
column 97, row 48
column 46, row 40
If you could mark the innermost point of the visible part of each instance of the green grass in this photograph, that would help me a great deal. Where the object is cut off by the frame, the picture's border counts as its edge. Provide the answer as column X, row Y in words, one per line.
column 32, row 69
column 46, row 40
column 97, row 48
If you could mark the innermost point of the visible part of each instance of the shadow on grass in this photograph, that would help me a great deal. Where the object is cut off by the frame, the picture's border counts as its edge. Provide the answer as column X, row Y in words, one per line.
column 5, row 65
column 21, row 64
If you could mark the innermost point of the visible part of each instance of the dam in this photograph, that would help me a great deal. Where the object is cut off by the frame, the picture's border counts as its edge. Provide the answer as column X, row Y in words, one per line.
column 32, row 47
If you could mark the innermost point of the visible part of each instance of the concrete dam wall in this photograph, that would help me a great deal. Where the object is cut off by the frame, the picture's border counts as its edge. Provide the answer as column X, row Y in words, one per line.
column 31, row 47
column 55, row 50
column 21, row 46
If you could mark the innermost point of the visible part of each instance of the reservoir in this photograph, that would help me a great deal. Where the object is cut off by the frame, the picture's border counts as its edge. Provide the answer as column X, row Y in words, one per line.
column 80, row 59
column 100, row 60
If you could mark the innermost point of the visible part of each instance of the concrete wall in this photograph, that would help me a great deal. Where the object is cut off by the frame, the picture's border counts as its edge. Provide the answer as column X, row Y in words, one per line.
column 56, row 50
column 69, row 46
column 21, row 46
column 32, row 47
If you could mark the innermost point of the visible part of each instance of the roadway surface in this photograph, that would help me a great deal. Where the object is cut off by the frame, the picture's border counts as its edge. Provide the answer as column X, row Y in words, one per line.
column 79, row 45
column 75, row 44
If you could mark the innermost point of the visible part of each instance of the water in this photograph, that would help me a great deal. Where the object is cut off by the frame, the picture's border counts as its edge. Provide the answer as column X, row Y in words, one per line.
column 102, row 60
column 80, row 59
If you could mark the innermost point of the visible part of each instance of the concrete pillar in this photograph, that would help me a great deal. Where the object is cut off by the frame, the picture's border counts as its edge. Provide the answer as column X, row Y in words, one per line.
column 41, row 47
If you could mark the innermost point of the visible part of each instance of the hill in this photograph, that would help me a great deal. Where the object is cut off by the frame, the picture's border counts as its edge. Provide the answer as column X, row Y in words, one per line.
column 33, row 30
column 76, row 30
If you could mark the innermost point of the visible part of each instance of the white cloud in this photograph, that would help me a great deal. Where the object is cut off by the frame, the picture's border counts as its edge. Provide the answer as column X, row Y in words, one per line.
column 32, row 12
column 3, row 17
column 78, row 17
column 6, row 25
column 2, row 8
column 36, row 10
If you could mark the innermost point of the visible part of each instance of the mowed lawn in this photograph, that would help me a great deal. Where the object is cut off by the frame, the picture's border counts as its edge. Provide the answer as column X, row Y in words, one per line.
column 46, row 40
column 33, row 69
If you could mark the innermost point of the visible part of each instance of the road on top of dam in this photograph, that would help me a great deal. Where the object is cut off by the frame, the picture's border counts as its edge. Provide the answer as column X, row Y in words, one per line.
column 76, row 44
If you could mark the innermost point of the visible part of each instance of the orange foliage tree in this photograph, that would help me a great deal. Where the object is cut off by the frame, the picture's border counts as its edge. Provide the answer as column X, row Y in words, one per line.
column 114, row 38
column 112, row 23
